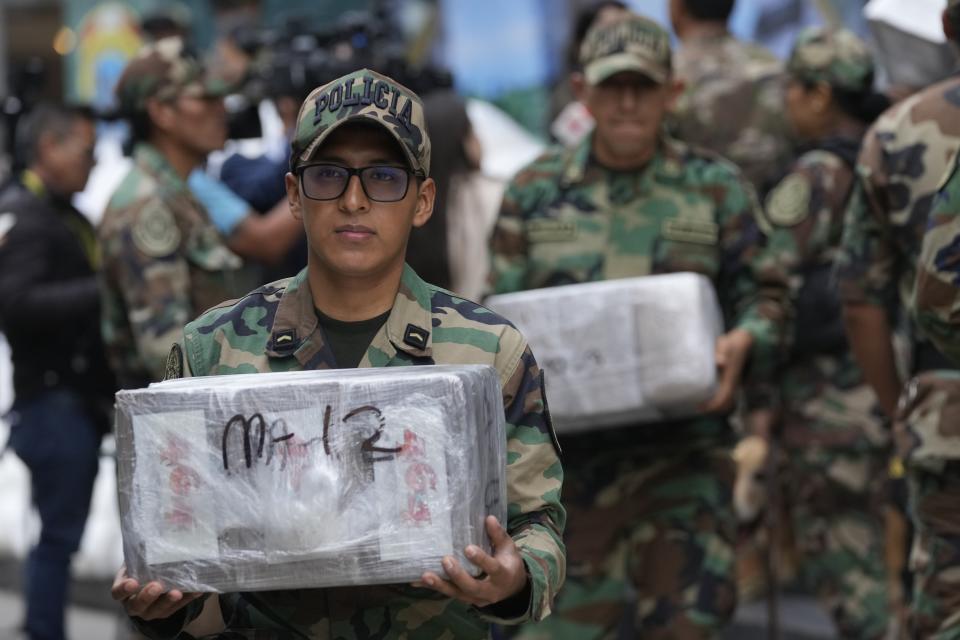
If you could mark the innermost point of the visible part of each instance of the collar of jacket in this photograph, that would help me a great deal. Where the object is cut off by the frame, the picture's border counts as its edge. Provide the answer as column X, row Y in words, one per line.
column 33, row 183
column 150, row 160
column 408, row 328
column 666, row 162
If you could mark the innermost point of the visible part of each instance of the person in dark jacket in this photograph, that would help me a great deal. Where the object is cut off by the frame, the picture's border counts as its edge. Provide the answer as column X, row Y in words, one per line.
column 50, row 313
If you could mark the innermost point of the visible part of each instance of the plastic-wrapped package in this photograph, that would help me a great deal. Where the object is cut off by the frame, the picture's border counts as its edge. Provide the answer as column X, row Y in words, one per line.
column 309, row 479
column 621, row 352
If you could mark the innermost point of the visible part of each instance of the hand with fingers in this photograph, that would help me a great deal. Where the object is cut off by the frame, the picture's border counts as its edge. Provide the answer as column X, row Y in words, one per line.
column 732, row 351
column 504, row 572
column 151, row 602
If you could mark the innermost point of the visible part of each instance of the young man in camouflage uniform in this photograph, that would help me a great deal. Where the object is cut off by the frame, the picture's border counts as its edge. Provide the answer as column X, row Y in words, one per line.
column 927, row 433
column 650, row 533
column 903, row 160
column 833, row 439
column 163, row 260
column 732, row 99
column 359, row 165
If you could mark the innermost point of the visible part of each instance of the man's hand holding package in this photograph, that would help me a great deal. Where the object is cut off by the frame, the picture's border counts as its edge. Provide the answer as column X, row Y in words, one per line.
column 732, row 351
column 505, row 572
column 152, row 602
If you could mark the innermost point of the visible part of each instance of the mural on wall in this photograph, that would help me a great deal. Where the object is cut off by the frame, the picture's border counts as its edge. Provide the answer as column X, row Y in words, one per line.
column 107, row 37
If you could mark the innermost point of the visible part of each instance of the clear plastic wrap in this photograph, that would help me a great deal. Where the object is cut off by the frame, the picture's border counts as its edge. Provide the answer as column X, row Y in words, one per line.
column 309, row 479
column 620, row 352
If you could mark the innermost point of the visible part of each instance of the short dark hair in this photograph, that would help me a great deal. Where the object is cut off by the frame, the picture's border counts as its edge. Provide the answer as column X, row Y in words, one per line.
column 585, row 19
column 709, row 10
column 46, row 117
column 952, row 13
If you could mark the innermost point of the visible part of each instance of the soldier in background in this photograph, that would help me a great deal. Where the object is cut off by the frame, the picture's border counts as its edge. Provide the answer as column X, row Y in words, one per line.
column 359, row 182
column 927, row 434
column 50, row 313
column 904, row 157
column 732, row 99
column 164, row 261
column 651, row 527
column 834, row 443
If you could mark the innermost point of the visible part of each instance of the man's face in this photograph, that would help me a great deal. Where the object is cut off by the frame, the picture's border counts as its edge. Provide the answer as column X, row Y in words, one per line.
column 629, row 109
column 352, row 235
column 200, row 124
column 68, row 160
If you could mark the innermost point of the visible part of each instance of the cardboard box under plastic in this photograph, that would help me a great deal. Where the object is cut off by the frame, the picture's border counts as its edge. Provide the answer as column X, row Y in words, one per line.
column 620, row 352
column 309, row 479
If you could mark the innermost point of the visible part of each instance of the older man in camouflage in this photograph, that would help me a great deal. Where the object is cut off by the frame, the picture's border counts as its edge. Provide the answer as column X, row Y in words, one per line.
column 163, row 260
column 359, row 165
column 650, row 534
column 928, row 425
column 900, row 168
column 732, row 100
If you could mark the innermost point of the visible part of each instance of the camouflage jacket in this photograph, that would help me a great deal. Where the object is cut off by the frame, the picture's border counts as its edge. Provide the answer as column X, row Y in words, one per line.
column 565, row 219
column 163, row 264
column 827, row 401
column 901, row 165
column 275, row 329
column 732, row 104
column 928, row 426
column 936, row 303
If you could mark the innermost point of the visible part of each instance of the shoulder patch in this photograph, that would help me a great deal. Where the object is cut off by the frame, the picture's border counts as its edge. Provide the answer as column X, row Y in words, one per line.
column 789, row 203
column 7, row 222
column 174, row 368
column 155, row 231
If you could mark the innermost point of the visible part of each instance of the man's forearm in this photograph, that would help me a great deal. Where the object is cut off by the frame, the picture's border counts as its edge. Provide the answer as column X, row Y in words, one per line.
column 266, row 238
column 871, row 340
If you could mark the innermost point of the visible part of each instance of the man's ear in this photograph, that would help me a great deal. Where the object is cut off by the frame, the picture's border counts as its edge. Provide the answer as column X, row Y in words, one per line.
column 161, row 114
column 47, row 143
column 293, row 195
column 426, row 195
column 823, row 96
column 675, row 87
column 578, row 84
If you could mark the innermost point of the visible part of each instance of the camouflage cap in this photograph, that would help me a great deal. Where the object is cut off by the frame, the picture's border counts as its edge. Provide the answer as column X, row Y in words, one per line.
column 363, row 96
column 632, row 43
column 836, row 57
column 164, row 70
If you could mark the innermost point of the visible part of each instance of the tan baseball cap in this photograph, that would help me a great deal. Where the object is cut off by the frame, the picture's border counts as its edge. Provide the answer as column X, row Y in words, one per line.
column 632, row 43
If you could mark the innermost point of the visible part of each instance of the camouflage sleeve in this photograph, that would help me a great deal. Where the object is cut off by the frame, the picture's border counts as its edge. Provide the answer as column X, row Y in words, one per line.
column 804, row 210
column 936, row 302
column 154, row 279
column 170, row 628
column 535, row 517
column 866, row 263
column 508, row 244
column 753, row 282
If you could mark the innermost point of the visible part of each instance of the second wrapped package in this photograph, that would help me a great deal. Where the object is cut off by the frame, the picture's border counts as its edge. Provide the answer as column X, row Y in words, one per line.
column 620, row 352
column 309, row 479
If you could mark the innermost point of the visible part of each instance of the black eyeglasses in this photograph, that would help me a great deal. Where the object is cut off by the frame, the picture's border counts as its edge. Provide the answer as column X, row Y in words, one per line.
column 381, row 183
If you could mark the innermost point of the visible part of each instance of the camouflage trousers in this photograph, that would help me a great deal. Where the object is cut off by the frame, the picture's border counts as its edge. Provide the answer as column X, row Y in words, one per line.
column 935, row 559
column 649, row 547
column 834, row 499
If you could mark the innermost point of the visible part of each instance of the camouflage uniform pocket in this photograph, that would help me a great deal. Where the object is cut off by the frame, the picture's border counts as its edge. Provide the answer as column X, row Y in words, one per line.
column 927, row 429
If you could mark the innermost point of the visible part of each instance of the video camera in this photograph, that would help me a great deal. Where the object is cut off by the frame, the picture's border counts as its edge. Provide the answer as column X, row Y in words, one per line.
column 292, row 60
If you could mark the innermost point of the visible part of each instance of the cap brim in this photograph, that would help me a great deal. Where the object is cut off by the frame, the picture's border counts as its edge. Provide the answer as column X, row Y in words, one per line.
column 599, row 70
column 366, row 118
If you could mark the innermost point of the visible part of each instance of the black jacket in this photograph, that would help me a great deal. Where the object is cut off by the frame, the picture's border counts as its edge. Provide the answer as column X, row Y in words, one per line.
column 50, row 299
